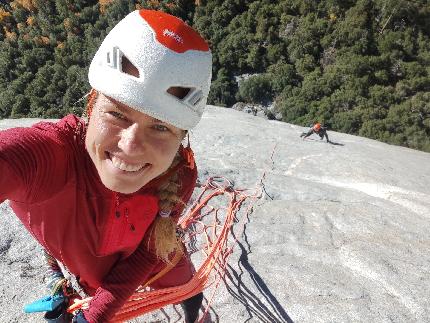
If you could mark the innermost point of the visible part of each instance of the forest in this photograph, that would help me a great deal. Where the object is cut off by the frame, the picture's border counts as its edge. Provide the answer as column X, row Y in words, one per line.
column 358, row 66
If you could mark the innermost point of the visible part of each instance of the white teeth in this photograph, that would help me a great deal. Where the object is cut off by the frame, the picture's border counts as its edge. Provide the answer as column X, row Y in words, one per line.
column 120, row 164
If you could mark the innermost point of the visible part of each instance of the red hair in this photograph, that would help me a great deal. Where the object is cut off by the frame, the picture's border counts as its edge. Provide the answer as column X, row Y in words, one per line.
column 90, row 103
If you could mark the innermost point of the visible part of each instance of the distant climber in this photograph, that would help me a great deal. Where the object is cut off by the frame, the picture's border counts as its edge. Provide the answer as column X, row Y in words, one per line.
column 318, row 129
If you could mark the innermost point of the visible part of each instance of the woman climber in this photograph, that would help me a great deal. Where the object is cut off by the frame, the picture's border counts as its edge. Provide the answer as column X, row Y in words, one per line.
column 103, row 195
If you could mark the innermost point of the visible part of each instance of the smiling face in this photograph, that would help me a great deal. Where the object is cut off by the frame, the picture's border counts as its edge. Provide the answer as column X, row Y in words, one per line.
column 128, row 147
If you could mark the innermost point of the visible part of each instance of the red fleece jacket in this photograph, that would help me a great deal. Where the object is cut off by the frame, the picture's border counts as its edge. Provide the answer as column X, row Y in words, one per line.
column 55, row 190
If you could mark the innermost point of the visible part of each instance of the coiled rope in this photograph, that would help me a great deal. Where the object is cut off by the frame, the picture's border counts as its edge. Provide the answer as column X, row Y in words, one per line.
column 211, row 227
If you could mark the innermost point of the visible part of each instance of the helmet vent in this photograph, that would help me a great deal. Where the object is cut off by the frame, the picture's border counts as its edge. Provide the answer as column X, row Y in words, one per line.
column 179, row 91
column 127, row 67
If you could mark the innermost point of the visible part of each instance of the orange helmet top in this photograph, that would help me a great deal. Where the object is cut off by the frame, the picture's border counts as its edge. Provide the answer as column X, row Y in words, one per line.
column 317, row 126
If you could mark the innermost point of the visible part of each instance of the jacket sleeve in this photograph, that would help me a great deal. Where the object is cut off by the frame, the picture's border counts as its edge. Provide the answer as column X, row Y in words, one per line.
column 14, row 168
column 31, row 160
column 126, row 276
column 10, row 183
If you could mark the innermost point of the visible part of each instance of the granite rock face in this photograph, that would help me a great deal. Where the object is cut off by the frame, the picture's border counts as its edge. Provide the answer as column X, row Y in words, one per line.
column 340, row 233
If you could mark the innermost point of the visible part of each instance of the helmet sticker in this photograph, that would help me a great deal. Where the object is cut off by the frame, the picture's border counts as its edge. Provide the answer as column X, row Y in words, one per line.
column 173, row 33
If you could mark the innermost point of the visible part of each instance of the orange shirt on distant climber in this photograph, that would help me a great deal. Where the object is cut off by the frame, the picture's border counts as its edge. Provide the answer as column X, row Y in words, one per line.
column 318, row 129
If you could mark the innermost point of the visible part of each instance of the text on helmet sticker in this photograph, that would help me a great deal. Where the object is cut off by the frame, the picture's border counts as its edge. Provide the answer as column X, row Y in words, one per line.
column 170, row 33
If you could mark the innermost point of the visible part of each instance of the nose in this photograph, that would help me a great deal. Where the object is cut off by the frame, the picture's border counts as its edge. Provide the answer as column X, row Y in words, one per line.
column 131, row 140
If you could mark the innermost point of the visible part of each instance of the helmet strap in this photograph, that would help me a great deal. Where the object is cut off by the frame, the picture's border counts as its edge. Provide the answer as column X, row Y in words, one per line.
column 188, row 140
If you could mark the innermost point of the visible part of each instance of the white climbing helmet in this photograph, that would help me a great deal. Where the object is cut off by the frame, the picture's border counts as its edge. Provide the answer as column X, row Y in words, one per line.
column 168, row 54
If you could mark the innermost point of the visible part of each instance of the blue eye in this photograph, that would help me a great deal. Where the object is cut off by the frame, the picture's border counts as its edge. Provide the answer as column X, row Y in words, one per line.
column 160, row 127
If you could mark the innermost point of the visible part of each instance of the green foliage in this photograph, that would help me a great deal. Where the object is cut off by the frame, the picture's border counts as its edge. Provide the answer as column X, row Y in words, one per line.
column 360, row 66
column 255, row 89
column 222, row 89
column 281, row 76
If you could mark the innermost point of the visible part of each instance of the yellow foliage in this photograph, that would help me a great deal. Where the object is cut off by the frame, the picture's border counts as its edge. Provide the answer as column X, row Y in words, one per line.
column 30, row 21
column 9, row 35
column 26, row 4
column 60, row 45
column 153, row 3
column 43, row 40
column 332, row 17
column 3, row 14
column 103, row 4
column 67, row 24
column 20, row 25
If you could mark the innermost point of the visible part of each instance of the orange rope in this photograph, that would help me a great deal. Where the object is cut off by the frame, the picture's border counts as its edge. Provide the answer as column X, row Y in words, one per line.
column 216, row 249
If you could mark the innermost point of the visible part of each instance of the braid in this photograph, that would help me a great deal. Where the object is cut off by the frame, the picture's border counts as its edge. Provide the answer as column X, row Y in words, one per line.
column 92, row 96
column 164, row 228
